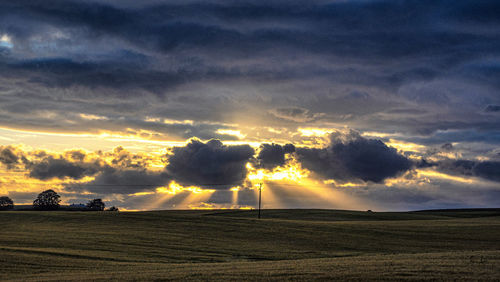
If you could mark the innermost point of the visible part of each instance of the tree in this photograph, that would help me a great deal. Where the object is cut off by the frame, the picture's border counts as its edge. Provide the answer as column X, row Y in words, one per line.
column 6, row 203
column 113, row 208
column 47, row 200
column 96, row 205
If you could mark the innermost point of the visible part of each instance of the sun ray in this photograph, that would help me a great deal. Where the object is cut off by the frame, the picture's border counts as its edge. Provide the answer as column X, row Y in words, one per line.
column 234, row 198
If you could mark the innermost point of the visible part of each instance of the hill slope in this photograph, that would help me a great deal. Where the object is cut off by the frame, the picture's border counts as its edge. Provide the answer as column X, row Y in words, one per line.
column 294, row 244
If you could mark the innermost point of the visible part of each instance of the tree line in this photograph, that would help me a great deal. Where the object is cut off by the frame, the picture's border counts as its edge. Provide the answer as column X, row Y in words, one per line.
column 49, row 200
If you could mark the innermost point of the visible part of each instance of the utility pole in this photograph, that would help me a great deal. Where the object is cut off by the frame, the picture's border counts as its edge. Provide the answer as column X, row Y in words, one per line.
column 260, row 196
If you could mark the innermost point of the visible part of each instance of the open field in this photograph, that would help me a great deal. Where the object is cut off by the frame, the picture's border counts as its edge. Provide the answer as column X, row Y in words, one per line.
column 285, row 244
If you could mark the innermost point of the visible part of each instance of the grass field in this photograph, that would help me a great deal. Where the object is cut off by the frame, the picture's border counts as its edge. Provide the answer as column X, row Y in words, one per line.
column 234, row 245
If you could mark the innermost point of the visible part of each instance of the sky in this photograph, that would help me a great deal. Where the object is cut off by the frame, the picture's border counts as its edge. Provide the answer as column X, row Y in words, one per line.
column 361, row 104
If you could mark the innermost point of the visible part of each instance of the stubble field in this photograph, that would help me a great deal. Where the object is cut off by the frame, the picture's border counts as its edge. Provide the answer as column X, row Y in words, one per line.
column 234, row 245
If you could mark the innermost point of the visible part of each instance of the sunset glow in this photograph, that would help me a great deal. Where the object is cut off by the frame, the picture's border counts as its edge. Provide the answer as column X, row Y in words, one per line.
column 146, row 106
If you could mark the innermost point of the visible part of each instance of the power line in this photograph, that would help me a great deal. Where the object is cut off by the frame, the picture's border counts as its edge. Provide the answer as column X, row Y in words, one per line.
column 126, row 185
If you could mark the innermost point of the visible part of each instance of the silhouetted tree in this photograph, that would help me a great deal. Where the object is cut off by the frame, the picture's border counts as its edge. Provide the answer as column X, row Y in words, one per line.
column 96, row 205
column 6, row 203
column 113, row 208
column 47, row 200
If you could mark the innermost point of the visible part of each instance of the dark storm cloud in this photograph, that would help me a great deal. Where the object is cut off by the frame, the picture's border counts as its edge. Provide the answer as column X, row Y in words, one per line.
column 200, row 163
column 11, row 156
column 8, row 157
column 490, row 134
column 442, row 194
column 59, row 167
column 166, row 27
column 203, row 58
column 489, row 170
column 273, row 155
column 63, row 73
column 295, row 114
column 342, row 29
column 492, row 108
column 123, row 73
column 350, row 157
column 447, row 147
column 123, row 173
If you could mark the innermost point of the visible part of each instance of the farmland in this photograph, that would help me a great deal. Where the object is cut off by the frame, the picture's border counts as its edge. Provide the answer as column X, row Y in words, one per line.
column 230, row 244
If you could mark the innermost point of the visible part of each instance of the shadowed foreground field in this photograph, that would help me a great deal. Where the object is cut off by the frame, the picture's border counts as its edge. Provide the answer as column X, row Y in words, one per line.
column 285, row 244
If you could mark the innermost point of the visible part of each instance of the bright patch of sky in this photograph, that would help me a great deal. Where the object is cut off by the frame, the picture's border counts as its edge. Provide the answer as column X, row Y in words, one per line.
column 6, row 41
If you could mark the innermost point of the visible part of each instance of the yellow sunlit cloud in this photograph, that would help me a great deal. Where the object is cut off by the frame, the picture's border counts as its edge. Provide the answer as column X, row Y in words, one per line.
column 444, row 155
column 406, row 146
column 339, row 184
column 435, row 174
column 236, row 133
column 291, row 171
column 482, row 158
column 377, row 134
column 89, row 141
column 408, row 178
column 173, row 121
column 310, row 131
column 141, row 193
column 274, row 130
column 92, row 117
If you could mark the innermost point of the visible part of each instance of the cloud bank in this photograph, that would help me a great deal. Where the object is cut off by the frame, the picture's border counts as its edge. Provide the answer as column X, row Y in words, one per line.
column 211, row 163
column 350, row 157
column 411, row 75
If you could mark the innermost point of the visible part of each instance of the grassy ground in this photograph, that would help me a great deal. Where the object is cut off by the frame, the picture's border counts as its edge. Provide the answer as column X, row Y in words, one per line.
column 285, row 244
